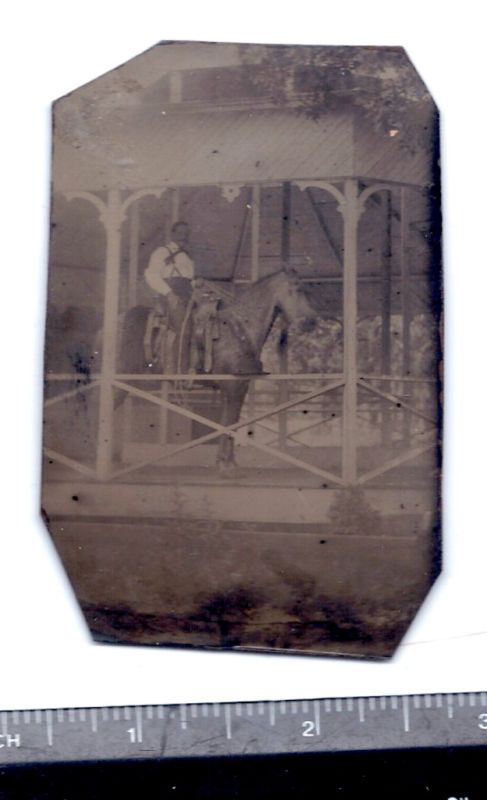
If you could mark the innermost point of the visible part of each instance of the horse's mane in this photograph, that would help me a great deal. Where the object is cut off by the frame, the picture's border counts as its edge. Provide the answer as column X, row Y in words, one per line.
column 239, row 290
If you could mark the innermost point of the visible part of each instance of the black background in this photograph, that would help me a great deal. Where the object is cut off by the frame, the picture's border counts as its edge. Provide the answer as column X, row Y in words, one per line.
column 440, row 774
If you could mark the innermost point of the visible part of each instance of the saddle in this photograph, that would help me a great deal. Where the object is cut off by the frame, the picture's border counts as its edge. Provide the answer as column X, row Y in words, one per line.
column 161, row 342
column 205, row 326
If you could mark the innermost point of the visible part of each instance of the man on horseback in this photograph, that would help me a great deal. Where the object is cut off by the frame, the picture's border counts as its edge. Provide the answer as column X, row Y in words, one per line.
column 171, row 276
column 171, row 272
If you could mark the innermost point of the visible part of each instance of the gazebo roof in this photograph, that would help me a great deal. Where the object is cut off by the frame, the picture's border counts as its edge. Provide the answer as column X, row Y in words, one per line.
column 162, row 119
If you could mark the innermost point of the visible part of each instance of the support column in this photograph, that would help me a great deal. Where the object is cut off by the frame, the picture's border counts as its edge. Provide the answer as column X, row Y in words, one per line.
column 112, row 219
column 255, row 233
column 351, row 215
column 134, row 243
column 406, row 301
column 286, row 223
column 386, row 312
column 134, row 246
column 284, row 344
column 164, row 413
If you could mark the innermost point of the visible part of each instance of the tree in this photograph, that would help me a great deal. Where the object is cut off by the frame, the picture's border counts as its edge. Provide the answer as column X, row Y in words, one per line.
column 378, row 84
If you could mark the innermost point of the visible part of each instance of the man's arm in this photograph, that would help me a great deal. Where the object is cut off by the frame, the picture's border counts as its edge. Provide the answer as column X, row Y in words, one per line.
column 185, row 265
column 153, row 273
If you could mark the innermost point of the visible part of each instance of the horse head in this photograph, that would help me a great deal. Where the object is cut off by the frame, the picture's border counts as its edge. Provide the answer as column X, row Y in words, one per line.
column 293, row 301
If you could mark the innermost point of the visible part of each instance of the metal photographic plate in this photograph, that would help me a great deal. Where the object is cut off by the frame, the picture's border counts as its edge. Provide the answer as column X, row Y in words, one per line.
column 242, row 418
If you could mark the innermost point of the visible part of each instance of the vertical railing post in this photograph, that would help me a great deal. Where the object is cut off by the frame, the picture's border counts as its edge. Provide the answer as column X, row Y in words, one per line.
column 351, row 210
column 112, row 219
column 133, row 276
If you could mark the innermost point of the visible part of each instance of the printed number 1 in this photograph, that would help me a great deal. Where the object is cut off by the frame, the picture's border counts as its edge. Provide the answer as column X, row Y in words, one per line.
column 309, row 728
column 131, row 733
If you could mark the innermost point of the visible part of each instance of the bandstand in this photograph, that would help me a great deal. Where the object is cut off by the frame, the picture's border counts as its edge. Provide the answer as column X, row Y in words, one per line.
column 347, row 207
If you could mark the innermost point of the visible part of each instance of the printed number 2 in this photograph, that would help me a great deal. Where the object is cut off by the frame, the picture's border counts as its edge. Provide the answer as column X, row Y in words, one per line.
column 309, row 728
column 483, row 721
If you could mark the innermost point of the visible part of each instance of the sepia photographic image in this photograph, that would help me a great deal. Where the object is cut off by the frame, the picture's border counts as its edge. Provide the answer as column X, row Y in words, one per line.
column 242, row 411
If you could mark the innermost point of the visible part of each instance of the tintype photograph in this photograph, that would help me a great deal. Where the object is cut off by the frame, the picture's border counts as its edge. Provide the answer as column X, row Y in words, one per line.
column 242, row 416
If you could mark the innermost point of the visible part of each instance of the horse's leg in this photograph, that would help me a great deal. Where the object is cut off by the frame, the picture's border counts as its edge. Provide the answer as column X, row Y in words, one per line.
column 233, row 395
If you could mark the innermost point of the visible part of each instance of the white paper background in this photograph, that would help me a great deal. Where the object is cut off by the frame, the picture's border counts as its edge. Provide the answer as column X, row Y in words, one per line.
column 47, row 658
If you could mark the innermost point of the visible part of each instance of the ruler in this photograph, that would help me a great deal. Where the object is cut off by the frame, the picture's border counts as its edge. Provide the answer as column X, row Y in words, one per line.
column 333, row 725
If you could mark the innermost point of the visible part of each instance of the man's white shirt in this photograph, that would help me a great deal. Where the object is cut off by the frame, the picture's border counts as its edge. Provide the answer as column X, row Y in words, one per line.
column 166, row 262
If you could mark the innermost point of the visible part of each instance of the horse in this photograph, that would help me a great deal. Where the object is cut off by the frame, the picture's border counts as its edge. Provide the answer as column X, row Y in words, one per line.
column 246, row 314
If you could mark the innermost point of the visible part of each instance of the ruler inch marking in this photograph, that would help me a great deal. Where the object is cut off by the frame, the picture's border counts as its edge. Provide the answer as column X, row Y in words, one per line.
column 94, row 720
column 138, row 724
column 449, row 706
column 228, row 721
column 316, row 705
column 49, row 728
column 405, row 713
